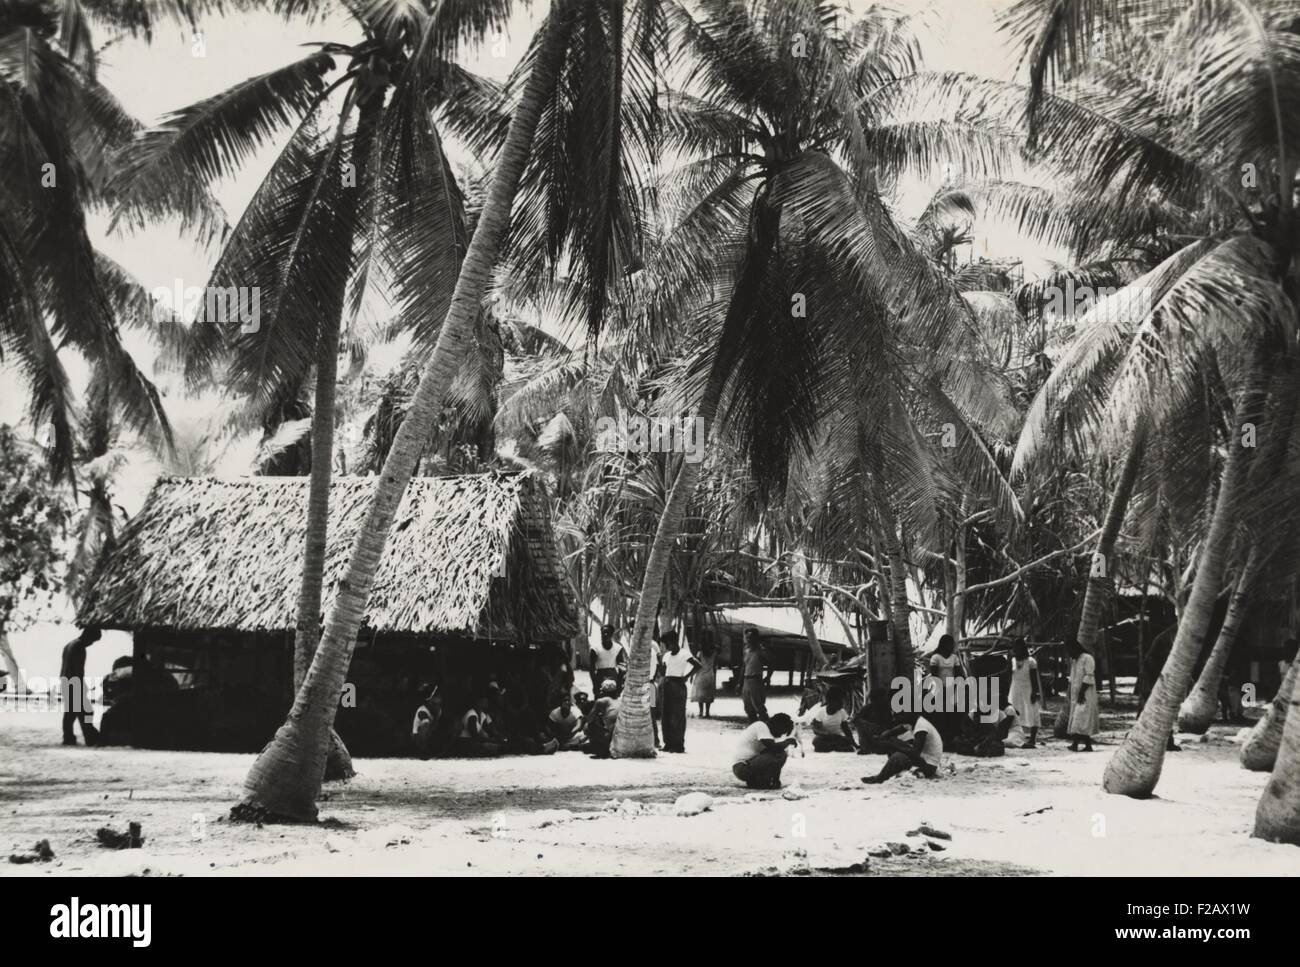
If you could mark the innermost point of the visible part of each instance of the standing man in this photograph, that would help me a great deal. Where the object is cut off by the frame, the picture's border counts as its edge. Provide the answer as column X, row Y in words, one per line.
column 607, row 661
column 72, row 684
column 751, row 687
column 678, row 665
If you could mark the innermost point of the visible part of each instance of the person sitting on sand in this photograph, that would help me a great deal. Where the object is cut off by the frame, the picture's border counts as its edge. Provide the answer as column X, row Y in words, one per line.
column 920, row 746
column 476, row 735
column 760, row 754
column 565, row 725
column 873, row 720
column 602, row 719
column 829, row 721
column 426, row 726
column 990, row 729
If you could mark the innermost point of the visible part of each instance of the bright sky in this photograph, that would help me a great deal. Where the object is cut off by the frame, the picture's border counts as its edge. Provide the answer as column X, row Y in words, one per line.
column 153, row 79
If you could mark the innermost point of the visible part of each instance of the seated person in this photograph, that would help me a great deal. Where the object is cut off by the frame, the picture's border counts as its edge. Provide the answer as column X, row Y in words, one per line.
column 872, row 722
column 565, row 725
column 760, row 755
column 525, row 728
column 426, row 726
column 830, row 724
column 476, row 734
column 583, row 703
column 602, row 719
column 988, row 730
column 919, row 746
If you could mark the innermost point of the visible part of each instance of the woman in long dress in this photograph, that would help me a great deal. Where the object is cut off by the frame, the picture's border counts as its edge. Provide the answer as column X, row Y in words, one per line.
column 1085, row 715
column 1026, row 691
column 704, row 685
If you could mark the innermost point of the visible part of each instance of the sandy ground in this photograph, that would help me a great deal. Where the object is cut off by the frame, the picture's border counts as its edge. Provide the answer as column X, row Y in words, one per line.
column 1039, row 811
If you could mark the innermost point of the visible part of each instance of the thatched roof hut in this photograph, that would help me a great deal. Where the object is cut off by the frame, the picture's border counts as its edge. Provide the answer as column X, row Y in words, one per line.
column 469, row 555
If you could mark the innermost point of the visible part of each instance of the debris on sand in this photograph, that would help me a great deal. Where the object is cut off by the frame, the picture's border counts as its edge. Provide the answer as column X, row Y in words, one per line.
column 692, row 804
column 898, row 849
column 113, row 839
column 925, row 829
column 1035, row 812
column 794, row 792
column 335, row 844
column 40, row 853
column 382, row 837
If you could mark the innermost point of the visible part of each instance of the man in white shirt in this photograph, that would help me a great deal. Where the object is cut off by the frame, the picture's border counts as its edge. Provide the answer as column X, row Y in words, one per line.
column 565, row 725
column 607, row 661
column 830, row 723
column 426, row 724
column 760, row 755
column 679, row 665
column 921, row 747
column 476, row 735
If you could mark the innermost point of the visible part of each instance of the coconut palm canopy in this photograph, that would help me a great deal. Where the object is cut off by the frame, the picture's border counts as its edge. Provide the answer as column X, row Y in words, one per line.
column 470, row 555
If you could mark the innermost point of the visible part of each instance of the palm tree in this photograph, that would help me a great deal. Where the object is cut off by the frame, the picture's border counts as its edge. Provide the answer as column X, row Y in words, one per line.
column 1259, row 751
column 285, row 779
column 1277, row 818
column 348, row 199
column 60, row 130
column 1202, row 703
column 1239, row 64
column 771, row 222
column 1135, row 768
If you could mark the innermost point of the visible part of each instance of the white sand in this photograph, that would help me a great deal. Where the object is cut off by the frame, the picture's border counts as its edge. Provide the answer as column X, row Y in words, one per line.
column 546, row 815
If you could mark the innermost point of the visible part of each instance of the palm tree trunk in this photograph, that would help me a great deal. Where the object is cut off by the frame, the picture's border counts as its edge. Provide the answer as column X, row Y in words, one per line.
column 285, row 780
column 1259, row 751
column 633, row 736
column 1135, row 769
column 799, row 585
column 632, row 733
column 1200, row 706
column 338, row 763
column 307, row 629
column 1099, row 579
column 957, row 602
column 1099, row 583
column 900, row 611
column 1277, row 817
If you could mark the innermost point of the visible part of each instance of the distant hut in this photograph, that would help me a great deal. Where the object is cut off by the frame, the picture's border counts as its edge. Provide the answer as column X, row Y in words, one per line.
column 206, row 576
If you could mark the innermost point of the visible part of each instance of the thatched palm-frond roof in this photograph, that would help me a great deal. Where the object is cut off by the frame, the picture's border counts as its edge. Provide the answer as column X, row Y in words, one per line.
column 471, row 555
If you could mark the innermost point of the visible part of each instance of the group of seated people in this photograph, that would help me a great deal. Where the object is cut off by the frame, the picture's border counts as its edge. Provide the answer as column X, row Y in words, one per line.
column 909, row 740
column 493, row 724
